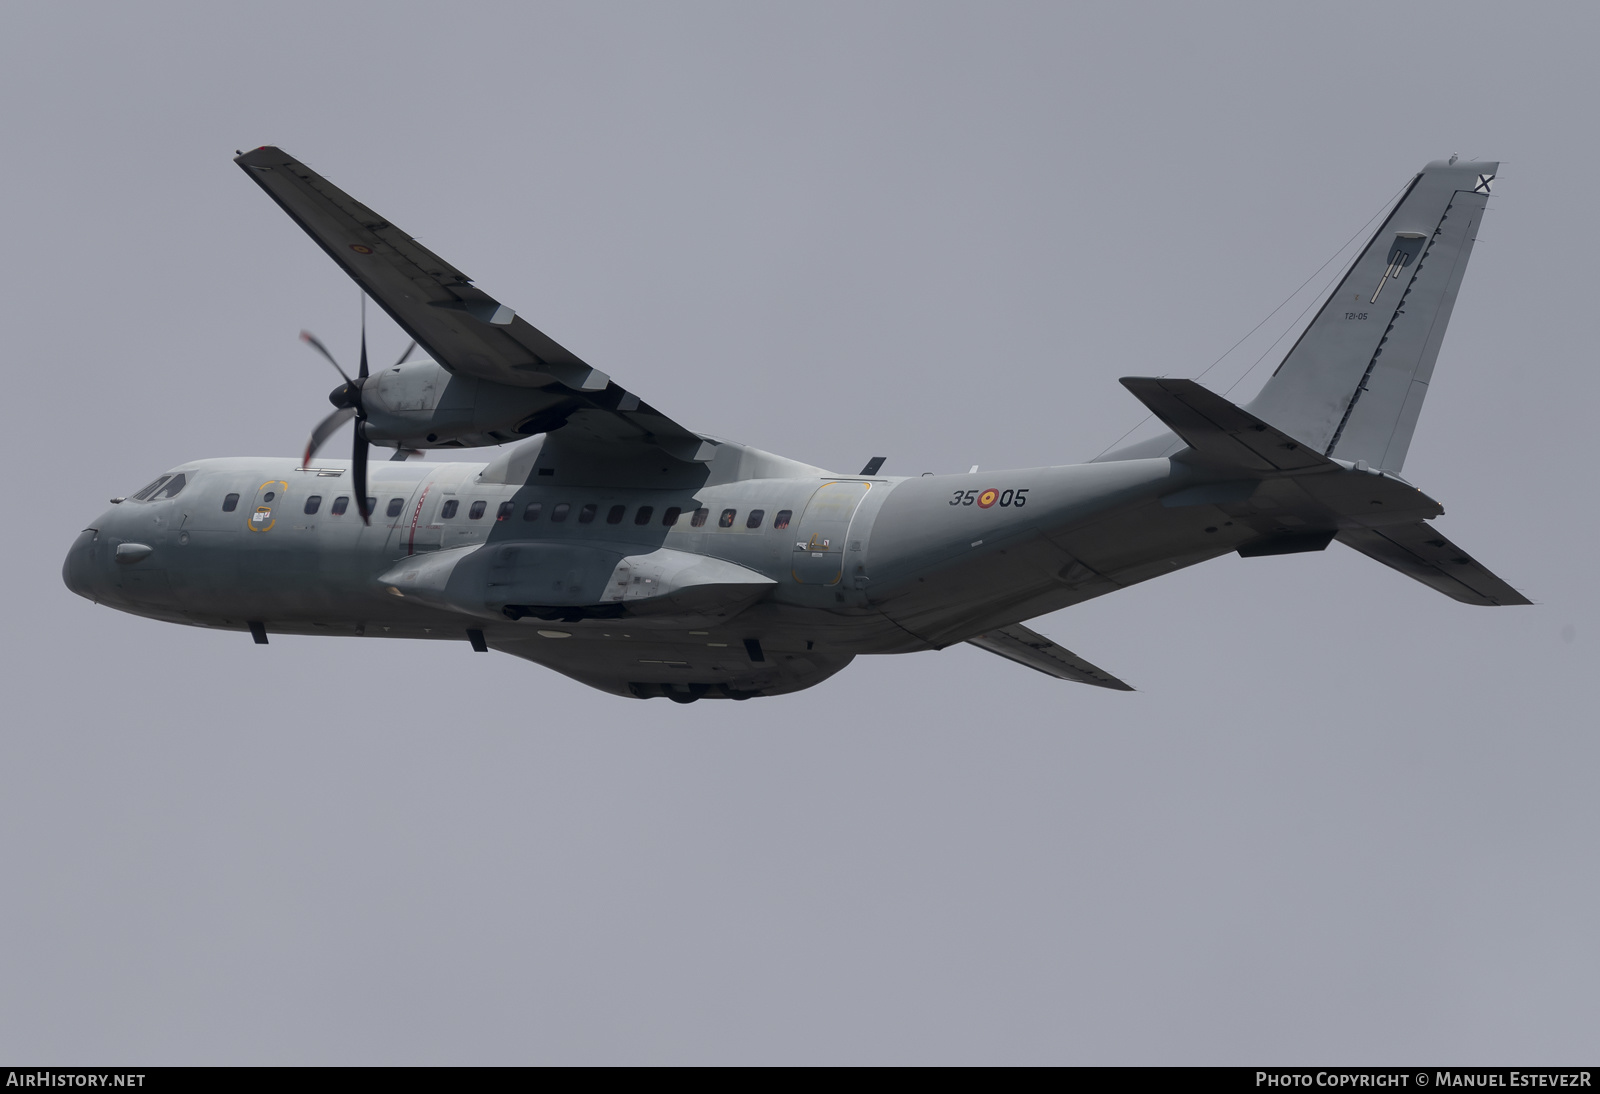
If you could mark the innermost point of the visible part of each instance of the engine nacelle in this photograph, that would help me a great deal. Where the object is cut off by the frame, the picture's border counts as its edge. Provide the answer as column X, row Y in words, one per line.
column 420, row 404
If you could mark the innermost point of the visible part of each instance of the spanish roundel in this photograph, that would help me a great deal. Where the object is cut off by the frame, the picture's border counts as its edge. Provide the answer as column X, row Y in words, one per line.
column 988, row 498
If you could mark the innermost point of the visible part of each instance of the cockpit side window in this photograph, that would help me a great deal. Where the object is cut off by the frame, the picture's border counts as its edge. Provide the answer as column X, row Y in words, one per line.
column 170, row 490
column 151, row 489
column 230, row 503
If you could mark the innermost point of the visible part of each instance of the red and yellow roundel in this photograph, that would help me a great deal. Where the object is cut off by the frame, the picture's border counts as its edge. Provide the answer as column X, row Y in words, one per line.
column 360, row 249
column 988, row 498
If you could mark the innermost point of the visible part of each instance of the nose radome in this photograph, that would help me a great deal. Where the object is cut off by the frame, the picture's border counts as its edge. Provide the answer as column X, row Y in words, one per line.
column 78, row 570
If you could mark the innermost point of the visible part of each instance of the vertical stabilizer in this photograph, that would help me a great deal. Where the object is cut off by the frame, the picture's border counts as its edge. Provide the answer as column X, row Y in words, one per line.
column 1353, row 385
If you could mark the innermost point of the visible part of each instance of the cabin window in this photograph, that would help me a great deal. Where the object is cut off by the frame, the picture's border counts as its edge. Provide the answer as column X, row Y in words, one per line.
column 644, row 514
column 340, row 504
column 449, row 509
column 151, row 489
column 670, row 517
column 170, row 490
column 782, row 519
column 559, row 513
column 586, row 514
column 699, row 518
column 230, row 503
column 372, row 505
column 269, row 495
column 755, row 518
column 476, row 512
column 614, row 515
column 313, row 503
column 532, row 511
column 395, row 505
column 726, row 519
column 504, row 512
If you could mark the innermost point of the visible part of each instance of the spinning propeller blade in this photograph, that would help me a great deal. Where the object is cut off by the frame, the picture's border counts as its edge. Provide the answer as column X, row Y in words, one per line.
column 359, row 459
column 325, row 429
column 311, row 340
column 348, row 401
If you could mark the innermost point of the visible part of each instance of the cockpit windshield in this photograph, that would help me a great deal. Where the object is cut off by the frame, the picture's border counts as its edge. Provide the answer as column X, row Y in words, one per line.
column 167, row 486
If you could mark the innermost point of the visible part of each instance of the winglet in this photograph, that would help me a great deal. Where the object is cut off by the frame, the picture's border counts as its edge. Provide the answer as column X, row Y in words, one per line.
column 1219, row 432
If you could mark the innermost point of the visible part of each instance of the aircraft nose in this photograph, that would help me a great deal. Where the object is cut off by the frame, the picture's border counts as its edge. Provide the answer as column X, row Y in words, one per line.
column 79, row 569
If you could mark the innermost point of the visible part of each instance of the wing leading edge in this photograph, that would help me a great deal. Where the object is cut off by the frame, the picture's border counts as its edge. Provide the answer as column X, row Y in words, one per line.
column 459, row 325
column 1025, row 647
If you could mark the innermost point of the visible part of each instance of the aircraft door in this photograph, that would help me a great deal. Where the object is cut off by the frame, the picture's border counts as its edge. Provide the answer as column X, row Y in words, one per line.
column 820, row 543
column 263, row 513
column 417, row 528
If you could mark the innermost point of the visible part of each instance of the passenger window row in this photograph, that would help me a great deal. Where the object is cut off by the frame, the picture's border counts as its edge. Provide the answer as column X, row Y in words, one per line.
column 530, row 512
column 643, row 515
column 340, row 506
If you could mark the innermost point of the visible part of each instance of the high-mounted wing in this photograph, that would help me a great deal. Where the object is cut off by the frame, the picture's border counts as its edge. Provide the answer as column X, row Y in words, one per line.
column 1017, row 643
column 457, row 324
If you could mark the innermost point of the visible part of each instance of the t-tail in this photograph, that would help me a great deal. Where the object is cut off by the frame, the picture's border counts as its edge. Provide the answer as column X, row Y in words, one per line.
column 1351, row 388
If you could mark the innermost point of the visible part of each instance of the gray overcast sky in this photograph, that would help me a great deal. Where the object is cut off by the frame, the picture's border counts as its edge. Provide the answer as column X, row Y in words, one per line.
column 1344, row 819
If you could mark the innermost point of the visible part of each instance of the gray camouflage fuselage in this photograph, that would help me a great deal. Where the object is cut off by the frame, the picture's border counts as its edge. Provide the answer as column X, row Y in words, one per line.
column 645, row 559
column 916, row 564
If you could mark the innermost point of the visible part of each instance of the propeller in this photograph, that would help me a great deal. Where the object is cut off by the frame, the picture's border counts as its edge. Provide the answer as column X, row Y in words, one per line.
column 347, row 399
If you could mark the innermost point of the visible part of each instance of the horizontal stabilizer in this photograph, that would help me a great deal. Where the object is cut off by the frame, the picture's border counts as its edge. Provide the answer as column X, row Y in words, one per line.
column 1219, row 432
column 1419, row 551
column 1025, row 647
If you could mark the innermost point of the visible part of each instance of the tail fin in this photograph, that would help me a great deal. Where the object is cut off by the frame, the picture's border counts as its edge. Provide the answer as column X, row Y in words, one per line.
column 1353, row 385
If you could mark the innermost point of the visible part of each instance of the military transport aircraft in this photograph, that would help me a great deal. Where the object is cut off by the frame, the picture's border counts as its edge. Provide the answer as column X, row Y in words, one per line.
column 638, row 556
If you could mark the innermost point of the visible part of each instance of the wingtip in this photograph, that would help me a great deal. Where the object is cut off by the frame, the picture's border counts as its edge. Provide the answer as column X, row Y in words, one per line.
column 257, row 159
